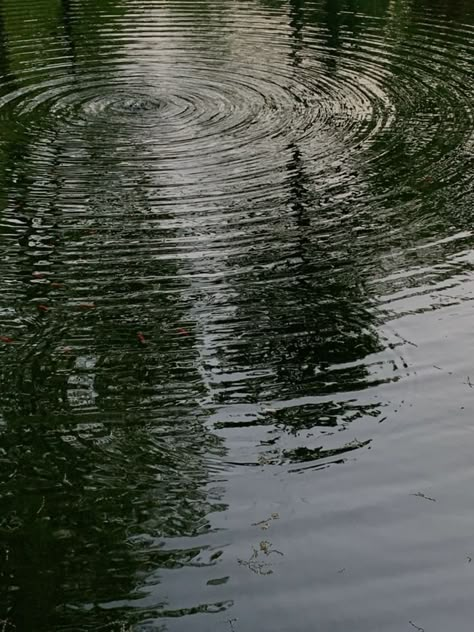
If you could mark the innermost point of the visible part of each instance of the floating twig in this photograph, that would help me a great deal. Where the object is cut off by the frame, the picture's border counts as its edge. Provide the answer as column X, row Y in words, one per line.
column 408, row 342
column 41, row 507
column 420, row 495
column 417, row 627
column 264, row 524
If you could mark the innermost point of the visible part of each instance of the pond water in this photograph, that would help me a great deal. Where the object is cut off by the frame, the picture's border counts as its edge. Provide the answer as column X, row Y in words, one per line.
column 236, row 275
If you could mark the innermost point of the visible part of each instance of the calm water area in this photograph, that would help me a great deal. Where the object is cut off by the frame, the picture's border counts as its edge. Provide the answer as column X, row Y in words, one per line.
column 236, row 315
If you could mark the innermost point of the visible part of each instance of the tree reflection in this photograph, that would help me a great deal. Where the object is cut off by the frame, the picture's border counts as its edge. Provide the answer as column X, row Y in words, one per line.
column 313, row 322
column 104, row 454
column 422, row 176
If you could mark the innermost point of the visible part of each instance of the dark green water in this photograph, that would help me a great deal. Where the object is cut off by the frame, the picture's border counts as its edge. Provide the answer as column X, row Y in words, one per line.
column 236, row 322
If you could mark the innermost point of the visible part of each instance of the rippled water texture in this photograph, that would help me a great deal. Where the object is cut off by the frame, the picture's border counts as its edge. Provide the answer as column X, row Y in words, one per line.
column 236, row 329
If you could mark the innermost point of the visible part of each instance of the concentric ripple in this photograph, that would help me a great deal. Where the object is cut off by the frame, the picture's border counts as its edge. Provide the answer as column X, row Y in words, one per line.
column 217, row 219
column 231, row 112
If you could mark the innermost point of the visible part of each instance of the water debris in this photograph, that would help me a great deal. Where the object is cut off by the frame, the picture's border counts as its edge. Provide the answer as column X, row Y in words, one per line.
column 6, row 339
column 468, row 382
column 469, row 559
column 425, row 182
column 141, row 337
column 421, row 495
column 341, row 570
column 87, row 305
column 66, row 349
column 254, row 564
column 264, row 524
column 41, row 507
column 57, row 285
column 403, row 339
column 182, row 331
column 231, row 624
column 417, row 627
column 43, row 308
column 272, row 458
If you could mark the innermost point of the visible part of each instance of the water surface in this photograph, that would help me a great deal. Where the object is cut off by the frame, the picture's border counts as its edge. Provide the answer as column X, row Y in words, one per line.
column 236, row 274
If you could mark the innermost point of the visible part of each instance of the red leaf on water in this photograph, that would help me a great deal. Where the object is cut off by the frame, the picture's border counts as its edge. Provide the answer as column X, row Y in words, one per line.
column 6, row 339
column 141, row 337
column 183, row 331
column 38, row 275
column 425, row 181
column 43, row 308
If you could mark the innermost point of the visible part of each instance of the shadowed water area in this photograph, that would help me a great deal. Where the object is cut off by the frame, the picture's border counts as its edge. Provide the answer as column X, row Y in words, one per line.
column 236, row 275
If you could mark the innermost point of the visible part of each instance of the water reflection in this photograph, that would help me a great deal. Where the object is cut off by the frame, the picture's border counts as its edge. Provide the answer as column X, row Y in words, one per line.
column 105, row 456
column 211, row 215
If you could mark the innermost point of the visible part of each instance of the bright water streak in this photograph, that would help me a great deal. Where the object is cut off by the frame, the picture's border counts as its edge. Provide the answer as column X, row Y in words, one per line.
column 235, row 322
